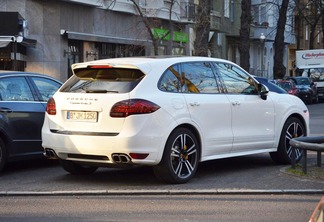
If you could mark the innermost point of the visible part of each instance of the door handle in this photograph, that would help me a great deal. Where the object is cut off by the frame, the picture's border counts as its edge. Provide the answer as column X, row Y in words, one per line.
column 194, row 104
column 5, row 110
column 236, row 103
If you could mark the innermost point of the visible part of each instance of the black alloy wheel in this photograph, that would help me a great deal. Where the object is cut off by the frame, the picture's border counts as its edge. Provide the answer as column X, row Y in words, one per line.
column 180, row 159
column 293, row 128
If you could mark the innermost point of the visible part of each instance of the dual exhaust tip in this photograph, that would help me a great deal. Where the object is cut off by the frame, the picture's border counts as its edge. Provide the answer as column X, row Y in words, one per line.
column 120, row 158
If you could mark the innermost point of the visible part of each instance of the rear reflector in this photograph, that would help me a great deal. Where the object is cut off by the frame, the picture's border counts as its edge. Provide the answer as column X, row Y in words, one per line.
column 138, row 156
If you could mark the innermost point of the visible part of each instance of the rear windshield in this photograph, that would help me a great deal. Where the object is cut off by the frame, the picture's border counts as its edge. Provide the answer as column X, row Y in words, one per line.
column 108, row 80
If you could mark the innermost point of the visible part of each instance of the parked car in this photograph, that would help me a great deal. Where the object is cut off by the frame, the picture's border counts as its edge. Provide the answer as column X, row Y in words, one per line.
column 307, row 89
column 289, row 86
column 23, row 98
column 270, row 84
column 168, row 113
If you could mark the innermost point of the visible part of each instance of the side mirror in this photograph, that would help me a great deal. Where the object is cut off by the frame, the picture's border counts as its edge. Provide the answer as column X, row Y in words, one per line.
column 263, row 91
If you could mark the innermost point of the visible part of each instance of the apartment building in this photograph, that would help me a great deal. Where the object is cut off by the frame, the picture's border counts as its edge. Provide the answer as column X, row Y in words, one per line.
column 263, row 32
column 308, row 29
column 50, row 35
column 63, row 32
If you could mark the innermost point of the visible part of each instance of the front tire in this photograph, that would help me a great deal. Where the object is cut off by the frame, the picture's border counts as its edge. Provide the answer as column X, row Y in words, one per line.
column 293, row 128
column 180, row 158
column 77, row 169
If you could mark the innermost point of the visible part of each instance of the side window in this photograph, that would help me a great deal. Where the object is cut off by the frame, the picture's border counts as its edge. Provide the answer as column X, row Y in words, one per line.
column 15, row 89
column 236, row 80
column 198, row 77
column 170, row 81
column 46, row 87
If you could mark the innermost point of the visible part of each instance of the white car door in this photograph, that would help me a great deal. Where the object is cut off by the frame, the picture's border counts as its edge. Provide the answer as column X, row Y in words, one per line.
column 252, row 117
column 209, row 109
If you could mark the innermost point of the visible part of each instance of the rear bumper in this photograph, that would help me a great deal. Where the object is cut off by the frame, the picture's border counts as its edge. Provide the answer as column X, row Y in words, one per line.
column 320, row 91
column 103, row 150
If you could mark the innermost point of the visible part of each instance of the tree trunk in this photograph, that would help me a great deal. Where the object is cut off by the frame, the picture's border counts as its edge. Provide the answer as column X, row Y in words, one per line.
column 279, row 70
column 202, row 28
column 244, row 47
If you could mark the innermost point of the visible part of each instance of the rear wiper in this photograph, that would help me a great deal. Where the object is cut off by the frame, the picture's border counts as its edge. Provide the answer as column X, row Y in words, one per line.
column 100, row 91
column 81, row 86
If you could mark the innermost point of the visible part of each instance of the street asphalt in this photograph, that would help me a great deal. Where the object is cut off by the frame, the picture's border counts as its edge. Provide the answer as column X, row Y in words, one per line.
column 255, row 174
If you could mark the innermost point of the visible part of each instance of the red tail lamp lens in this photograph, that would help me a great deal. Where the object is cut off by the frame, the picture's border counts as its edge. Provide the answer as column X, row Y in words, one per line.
column 133, row 107
column 51, row 107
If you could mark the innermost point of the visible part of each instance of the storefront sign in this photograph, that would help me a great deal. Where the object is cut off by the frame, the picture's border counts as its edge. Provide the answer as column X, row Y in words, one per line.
column 165, row 35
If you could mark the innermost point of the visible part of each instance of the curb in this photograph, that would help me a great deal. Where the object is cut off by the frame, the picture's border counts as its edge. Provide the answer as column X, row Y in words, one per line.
column 159, row 192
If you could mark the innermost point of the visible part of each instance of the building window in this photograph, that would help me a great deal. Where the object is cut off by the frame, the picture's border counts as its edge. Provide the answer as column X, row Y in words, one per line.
column 110, row 50
column 227, row 8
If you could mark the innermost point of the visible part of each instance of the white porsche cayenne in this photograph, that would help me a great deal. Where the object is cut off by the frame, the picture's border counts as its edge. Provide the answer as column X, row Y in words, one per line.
column 168, row 113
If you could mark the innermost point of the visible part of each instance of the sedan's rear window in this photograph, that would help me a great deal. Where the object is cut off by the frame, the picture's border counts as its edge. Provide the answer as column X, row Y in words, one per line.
column 93, row 80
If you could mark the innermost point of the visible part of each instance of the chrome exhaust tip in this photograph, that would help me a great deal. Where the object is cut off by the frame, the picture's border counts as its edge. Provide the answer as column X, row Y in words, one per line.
column 121, row 158
column 50, row 153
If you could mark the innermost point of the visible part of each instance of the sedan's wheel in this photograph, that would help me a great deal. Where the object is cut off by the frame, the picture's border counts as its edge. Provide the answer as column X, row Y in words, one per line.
column 293, row 128
column 3, row 155
column 75, row 168
column 180, row 158
column 315, row 99
column 310, row 100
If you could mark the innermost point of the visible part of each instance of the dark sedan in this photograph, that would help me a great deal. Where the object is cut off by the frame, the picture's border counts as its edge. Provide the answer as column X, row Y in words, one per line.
column 307, row 89
column 23, row 98
column 271, row 86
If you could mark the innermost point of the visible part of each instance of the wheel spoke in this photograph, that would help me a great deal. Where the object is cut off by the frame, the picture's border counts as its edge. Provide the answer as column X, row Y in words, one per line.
column 179, row 169
column 189, row 166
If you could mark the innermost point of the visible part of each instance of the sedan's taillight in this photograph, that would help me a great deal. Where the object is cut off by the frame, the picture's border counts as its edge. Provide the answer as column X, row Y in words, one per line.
column 132, row 107
column 51, row 107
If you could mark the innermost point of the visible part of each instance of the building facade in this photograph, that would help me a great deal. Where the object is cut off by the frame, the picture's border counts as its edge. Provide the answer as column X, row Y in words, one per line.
column 51, row 35
column 70, row 31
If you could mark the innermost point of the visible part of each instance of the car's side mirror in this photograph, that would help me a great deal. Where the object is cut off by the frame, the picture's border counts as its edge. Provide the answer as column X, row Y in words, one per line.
column 263, row 91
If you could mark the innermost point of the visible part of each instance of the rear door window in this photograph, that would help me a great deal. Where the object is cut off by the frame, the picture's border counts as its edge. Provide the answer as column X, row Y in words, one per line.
column 15, row 89
column 198, row 77
column 191, row 77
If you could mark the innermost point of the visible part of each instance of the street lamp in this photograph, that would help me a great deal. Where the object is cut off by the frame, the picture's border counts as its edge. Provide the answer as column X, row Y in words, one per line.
column 262, row 40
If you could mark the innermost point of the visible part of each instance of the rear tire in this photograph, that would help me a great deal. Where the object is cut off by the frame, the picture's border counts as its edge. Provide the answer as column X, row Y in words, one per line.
column 3, row 155
column 293, row 128
column 180, row 158
column 77, row 169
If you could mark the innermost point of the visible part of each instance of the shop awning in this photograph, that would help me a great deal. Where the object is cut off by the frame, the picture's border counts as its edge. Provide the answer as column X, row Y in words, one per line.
column 5, row 40
column 104, row 38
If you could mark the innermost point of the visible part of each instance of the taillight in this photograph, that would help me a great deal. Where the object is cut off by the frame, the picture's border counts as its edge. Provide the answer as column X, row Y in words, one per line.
column 51, row 107
column 133, row 107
